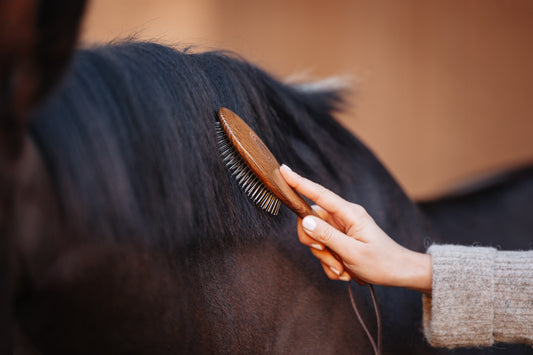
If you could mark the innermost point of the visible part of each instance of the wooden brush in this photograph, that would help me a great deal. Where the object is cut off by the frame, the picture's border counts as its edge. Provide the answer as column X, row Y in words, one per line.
column 255, row 167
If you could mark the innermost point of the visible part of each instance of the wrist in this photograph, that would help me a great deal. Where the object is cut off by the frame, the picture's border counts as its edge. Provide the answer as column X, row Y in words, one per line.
column 417, row 272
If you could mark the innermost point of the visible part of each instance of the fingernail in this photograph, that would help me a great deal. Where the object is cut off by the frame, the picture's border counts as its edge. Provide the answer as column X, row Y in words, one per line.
column 283, row 166
column 309, row 223
column 337, row 272
column 345, row 278
column 317, row 247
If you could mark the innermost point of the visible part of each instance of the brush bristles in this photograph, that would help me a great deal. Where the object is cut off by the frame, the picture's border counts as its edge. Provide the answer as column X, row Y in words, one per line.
column 247, row 180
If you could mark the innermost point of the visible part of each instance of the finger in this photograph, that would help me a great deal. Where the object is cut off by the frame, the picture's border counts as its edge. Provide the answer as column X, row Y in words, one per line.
column 330, row 272
column 334, row 273
column 327, row 258
column 323, row 214
column 306, row 240
column 324, row 233
column 358, row 280
column 312, row 243
column 323, row 197
column 341, row 213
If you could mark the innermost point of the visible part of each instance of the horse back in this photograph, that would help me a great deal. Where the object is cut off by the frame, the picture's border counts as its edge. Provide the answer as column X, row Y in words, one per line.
column 493, row 212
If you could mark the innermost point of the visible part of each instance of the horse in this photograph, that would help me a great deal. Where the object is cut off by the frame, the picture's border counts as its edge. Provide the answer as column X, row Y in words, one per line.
column 492, row 210
column 123, row 232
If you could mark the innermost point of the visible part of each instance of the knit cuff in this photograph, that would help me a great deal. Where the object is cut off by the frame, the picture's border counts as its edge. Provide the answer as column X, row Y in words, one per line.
column 459, row 312
column 513, row 297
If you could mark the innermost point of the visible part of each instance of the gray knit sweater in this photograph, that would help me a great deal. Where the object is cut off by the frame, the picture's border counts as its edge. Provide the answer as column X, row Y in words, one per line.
column 480, row 296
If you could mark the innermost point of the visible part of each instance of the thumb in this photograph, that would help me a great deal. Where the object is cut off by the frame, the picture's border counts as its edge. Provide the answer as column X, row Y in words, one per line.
column 323, row 232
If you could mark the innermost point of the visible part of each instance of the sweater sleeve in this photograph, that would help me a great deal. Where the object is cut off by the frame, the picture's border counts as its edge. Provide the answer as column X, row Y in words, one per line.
column 480, row 296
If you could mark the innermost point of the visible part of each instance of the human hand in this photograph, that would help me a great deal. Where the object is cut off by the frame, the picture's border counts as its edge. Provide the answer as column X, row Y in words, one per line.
column 367, row 253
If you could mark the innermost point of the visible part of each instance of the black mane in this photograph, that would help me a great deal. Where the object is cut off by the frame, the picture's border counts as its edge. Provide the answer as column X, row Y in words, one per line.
column 130, row 141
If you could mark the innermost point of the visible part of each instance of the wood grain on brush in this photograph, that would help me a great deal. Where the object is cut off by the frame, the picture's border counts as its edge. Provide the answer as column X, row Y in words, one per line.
column 261, row 161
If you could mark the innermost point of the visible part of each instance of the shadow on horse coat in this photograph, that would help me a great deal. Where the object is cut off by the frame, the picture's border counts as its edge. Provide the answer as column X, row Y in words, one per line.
column 129, row 236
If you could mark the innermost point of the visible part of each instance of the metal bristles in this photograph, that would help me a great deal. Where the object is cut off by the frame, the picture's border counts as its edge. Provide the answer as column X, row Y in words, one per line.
column 247, row 180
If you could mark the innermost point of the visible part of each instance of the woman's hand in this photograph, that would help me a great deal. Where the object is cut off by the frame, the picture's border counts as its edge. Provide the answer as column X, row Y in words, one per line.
column 367, row 253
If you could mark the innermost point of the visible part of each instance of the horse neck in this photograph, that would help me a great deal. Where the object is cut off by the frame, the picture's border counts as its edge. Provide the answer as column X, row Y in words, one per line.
column 377, row 191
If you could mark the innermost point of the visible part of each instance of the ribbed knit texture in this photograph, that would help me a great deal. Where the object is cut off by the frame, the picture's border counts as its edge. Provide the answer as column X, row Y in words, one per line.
column 480, row 296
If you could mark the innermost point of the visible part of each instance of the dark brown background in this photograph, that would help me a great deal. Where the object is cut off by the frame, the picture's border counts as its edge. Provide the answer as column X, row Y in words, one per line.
column 445, row 88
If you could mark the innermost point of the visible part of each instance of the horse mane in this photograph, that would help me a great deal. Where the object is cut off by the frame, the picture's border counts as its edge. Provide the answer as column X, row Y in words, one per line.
column 129, row 139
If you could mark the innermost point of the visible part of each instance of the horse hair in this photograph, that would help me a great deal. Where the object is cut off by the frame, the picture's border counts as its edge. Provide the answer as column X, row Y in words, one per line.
column 129, row 138
column 129, row 142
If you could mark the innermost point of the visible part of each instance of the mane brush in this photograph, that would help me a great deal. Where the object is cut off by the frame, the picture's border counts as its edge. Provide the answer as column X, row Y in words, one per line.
column 255, row 168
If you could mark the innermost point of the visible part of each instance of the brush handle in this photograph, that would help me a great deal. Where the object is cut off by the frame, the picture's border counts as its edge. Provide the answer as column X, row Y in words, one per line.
column 288, row 196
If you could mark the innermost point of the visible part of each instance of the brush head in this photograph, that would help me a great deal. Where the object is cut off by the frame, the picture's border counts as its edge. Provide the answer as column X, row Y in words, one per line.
column 255, row 167
column 247, row 180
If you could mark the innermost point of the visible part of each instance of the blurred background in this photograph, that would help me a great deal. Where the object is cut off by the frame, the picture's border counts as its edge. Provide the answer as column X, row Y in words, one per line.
column 444, row 88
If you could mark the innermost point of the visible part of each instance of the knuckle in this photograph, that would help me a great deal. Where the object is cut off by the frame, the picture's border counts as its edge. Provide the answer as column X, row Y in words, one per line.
column 360, row 216
column 358, row 210
column 320, row 194
column 296, row 184
column 326, row 235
